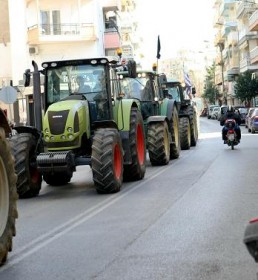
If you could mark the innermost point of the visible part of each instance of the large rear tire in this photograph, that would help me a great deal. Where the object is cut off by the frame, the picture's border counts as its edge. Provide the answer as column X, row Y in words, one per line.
column 185, row 133
column 24, row 151
column 158, row 143
column 136, row 170
column 175, row 146
column 8, row 197
column 107, row 161
column 193, row 125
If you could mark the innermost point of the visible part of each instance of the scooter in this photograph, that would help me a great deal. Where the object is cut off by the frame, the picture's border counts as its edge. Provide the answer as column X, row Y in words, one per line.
column 232, row 140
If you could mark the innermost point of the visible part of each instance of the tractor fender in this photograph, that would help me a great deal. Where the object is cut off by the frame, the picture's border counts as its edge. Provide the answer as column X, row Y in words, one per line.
column 4, row 123
column 167, row 107
column 36, row 134
column 123, row 113
column 153, row 119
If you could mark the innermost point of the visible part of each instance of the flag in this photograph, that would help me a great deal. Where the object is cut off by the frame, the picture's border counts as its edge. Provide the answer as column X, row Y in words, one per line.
column 158, row 48
column 188, row 84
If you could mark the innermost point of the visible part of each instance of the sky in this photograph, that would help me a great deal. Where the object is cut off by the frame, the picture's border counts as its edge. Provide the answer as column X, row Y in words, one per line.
column 181, row 24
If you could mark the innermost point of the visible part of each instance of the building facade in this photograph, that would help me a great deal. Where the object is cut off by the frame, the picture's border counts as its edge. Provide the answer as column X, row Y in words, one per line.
column 236, row 41
column 45, row 30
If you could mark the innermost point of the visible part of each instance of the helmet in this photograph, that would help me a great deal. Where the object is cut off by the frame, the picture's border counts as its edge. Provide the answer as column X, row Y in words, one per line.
column 230, row 109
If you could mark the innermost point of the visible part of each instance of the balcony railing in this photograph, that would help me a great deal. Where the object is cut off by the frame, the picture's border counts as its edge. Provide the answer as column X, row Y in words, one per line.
column 246, row 8
column 246, row 63
column 61, row 32
column 253, row 21
column 254, row 55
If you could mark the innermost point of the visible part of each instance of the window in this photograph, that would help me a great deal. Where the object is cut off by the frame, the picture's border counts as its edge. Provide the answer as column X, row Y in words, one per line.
column 50, row 22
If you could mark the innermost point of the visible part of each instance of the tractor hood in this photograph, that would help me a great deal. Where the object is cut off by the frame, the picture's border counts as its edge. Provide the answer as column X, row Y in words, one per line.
column 65, row 121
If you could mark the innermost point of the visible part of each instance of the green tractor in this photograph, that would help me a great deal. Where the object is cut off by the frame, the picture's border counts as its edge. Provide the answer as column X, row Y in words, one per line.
column 188, row 117
column 87, row 122
column 8, row 193
column 159, row 113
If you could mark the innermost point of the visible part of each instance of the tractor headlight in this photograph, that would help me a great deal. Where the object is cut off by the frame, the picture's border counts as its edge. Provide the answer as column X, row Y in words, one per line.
column 70, row 137
column 46, row 131
column 63, row 137
column 47, row 138
column 52, row 138
column 70, row 130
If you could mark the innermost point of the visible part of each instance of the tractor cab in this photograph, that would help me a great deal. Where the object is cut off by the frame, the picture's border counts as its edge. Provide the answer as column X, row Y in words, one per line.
column 145, row 87
column 86, row 80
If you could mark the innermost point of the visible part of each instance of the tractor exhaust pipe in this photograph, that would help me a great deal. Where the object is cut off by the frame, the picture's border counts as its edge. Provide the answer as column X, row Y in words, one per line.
column 37, row 97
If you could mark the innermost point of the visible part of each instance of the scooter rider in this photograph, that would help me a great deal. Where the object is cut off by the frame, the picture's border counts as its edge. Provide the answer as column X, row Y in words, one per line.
column 230, row 114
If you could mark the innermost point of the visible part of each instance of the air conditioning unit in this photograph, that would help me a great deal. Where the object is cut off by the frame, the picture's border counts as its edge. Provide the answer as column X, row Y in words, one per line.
column 33, row 50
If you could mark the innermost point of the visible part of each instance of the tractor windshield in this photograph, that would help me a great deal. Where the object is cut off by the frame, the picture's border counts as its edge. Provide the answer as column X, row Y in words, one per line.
column 88, row 80
column 137, row 88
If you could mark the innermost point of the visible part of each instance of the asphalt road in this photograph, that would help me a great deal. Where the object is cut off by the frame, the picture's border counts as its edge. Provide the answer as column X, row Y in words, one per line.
column 184, row 221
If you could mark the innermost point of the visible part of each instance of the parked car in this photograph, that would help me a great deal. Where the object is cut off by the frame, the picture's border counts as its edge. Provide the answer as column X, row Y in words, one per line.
column 253, row 127
column 210, row 107
column 242, row 112
column 214, row 113
column 248, row 118
column 222, row 111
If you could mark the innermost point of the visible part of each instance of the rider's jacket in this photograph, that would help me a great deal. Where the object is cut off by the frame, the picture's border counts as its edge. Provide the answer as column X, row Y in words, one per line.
column 230, row 115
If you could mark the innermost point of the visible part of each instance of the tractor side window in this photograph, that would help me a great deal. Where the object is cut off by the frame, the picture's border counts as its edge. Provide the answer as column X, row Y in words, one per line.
column 53, row 87
column 147, row 91
column 136, row 89
column 174, row 93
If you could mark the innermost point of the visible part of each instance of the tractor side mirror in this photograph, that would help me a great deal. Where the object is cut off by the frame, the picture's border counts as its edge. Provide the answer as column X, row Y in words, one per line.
column 251, row 238
column 26, row 78
column 131, row 65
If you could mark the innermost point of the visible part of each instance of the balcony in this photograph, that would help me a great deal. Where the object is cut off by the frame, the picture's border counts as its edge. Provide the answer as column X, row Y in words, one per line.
column 246, row 8
column 49, row 33
column 254, row 56
column 111, row 40
column 245, row 64
column 253, row 21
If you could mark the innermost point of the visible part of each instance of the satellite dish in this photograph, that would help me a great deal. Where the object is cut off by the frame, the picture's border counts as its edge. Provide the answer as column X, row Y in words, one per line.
column 8, row 95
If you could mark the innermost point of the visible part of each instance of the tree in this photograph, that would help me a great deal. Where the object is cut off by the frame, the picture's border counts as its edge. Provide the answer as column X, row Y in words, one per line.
column 246, row 88
column 211, row 93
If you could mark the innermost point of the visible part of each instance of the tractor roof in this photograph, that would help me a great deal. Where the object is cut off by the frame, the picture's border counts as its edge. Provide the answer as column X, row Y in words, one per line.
column 173, row 82
column 92, row 61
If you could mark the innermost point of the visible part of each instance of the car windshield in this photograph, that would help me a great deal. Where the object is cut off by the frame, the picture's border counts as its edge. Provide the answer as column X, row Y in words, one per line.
column 242, row 110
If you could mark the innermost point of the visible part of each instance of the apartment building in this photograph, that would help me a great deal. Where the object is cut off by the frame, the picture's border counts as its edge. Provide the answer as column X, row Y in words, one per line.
column 45, row 30
column 236, row 40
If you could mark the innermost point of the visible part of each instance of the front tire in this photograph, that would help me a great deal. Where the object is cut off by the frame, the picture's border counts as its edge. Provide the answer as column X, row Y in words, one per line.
column 107, row 161
column 8, row 197
column 136, row 170
column 175, row 146
column 158, row 143
column 24, row 151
